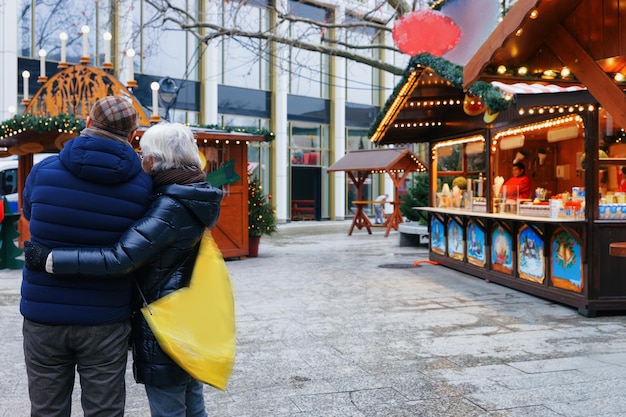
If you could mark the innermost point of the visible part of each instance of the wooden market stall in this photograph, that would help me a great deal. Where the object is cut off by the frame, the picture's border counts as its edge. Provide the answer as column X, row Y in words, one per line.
column 57, row 111
column 542, row 89
column 398, row 163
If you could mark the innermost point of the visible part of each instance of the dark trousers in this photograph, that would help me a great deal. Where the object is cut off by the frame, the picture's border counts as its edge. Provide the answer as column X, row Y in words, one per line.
column 54, row 353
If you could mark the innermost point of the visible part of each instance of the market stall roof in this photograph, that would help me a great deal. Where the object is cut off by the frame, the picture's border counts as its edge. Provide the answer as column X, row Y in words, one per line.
column 564, row 42
column 379, row 160
column 429, row 103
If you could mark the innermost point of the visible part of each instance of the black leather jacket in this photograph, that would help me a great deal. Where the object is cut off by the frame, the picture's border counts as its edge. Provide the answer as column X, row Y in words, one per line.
column 161, row 247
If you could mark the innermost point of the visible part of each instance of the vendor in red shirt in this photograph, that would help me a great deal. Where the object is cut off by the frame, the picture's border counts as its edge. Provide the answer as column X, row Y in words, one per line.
column 518, row 186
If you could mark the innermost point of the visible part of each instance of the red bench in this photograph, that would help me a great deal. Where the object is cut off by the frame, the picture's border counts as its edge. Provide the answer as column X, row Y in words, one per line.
column 302, row 209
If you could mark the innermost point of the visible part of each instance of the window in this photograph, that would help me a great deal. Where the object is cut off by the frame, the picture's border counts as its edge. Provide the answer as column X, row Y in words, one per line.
column 307, row 68
column 245, row 62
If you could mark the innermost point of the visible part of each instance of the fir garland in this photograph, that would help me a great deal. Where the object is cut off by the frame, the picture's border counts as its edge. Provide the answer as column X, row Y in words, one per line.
column 68, row 123
column 494, row 98
column 267, row 134
column 62, row 123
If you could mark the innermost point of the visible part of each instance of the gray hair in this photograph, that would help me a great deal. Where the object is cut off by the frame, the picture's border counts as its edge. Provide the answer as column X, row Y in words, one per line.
column 171, row 145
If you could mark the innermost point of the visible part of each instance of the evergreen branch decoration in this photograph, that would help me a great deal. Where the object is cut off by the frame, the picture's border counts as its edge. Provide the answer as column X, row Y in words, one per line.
column 267, row 134
column 62, row 123
column 495, row 99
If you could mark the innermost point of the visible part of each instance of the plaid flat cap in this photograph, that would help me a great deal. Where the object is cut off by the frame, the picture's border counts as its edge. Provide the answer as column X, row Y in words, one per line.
column 114, row 114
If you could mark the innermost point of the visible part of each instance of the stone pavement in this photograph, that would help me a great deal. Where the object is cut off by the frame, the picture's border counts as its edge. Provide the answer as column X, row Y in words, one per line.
column 324, row 330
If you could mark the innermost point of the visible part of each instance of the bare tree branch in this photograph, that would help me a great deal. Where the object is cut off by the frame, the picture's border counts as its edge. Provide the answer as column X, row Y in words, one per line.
column 329, row 46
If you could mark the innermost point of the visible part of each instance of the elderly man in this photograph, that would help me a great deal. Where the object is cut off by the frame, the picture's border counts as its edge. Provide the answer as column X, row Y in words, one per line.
column 86, row 196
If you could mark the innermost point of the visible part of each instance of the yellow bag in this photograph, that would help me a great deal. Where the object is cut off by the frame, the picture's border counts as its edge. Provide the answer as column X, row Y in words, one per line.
column 195, row 325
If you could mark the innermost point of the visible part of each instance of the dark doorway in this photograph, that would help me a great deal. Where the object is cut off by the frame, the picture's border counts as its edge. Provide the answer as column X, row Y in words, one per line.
column 306, row 186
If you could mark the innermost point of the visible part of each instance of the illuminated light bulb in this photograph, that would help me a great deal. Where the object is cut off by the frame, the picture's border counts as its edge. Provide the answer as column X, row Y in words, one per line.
column 619, row 77
column 501, row 69
column 565, row 72
column 534, row 14
column 522, row 71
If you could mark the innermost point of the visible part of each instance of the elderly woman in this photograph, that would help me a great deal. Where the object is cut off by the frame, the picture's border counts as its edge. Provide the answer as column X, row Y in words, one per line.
column 161, row 247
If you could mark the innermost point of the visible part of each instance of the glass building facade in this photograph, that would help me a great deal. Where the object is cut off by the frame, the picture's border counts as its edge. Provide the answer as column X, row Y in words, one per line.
column 319, row 105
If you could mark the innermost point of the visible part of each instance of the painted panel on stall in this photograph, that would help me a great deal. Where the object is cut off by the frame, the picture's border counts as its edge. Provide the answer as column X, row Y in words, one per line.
column 475, row 244
column 531, row 263
column 501, row 250
column 565, row 260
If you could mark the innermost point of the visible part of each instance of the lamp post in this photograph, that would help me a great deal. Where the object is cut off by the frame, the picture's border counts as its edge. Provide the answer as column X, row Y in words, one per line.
column 168, row 93
column 155, row 118
column 85, row 58
column 63, row 63
column 42, row 66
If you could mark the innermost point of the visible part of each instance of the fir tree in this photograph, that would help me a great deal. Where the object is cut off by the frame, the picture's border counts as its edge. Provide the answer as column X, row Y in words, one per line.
column 261, row 219
column 416, row 196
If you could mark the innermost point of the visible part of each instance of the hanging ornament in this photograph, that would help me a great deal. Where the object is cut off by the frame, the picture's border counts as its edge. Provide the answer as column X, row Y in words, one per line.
column 489, row 117
column 425, row 31
column 473, row 105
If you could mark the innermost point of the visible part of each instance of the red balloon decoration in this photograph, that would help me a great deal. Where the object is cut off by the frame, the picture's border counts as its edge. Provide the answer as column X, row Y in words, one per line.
column 425, row 31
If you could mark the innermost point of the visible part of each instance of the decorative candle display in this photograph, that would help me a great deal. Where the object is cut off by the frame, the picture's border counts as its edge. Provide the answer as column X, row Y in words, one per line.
column 25, row 76
column 63, row 37
column 42, row 63
column 130, row 53
column 85, row 32
column 155, row 98
column 107, row 47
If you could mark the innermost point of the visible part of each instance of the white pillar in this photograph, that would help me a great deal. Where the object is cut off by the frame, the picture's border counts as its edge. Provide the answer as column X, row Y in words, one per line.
column 210, row 70
column 122, row 37
column 8, row 57
column 338, row 124
column 280, row 162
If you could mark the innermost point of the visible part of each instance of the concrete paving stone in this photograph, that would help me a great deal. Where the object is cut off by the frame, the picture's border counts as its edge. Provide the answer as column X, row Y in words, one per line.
column 244, row 407
column 447, row 407
column 596, row 407
column 606, row 372
column 533, row 411
column 579, row 392
column 559, row 364
column 478, row 372
column 547, row 379
column 613, row 358
column 324, row 401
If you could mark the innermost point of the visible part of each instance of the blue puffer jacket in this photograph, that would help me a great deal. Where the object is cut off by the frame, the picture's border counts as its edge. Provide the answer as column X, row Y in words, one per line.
column 163, row 244
column 87, row 196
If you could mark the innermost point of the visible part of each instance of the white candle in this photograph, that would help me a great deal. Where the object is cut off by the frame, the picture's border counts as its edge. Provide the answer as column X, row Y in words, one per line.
column 131, row 69
column 25, row 76
column 42, row 62
column 155, row 98
column 107, row 47
column 85, row 31
column 63, row 37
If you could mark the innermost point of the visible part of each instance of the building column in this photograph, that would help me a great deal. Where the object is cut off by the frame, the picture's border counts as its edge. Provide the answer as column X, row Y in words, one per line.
column 338, row 124
column 387, row 83
column 8, row 58
column 209, row 70
column 122, row 39
column 279, row 123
